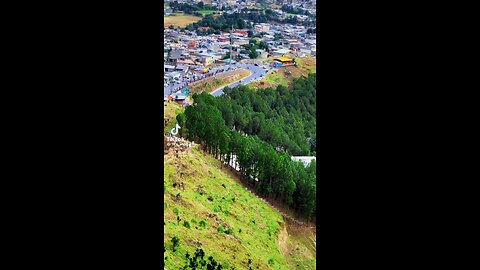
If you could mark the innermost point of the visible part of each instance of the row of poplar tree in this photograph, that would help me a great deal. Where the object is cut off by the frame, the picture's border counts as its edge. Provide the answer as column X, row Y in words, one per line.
column 271, row 171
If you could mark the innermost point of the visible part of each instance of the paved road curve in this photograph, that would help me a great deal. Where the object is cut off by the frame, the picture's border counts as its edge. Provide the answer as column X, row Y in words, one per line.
column 257, row 72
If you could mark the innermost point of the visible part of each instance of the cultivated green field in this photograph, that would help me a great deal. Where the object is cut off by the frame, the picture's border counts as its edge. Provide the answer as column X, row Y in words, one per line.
column 206, row 12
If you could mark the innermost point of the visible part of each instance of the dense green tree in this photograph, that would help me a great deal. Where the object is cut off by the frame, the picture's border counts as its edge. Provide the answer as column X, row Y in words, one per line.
column 181, row 120
column 278, row 36
column 253, row 54
column 226, row 56
column 240, row 20
column 256, row 127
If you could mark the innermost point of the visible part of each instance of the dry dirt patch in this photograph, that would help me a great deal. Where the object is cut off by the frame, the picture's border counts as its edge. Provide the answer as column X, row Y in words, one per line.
column 179, row 20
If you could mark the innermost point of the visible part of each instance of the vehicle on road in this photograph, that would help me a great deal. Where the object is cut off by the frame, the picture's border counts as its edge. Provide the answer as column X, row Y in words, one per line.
column 256, row 64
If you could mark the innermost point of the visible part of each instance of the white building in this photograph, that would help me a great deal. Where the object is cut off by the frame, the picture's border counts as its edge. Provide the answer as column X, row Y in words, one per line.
column 280, row 52
column 306, row 160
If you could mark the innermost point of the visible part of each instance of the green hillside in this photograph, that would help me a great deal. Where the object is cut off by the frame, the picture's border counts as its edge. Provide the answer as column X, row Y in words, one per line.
column 170, row 111
column 209, row 194
column 233, row 206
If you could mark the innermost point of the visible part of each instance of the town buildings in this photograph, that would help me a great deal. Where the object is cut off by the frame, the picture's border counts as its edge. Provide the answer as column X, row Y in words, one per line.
column 186, row 54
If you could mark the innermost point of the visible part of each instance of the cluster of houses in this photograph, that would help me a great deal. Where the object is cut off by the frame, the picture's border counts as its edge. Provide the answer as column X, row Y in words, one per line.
column 309, row 5
column 306, row 4
column 231, row 6
column 188, row 56
column 186, row 53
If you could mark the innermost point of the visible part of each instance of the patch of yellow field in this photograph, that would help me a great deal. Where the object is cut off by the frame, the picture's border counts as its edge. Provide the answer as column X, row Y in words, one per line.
column 179, row 20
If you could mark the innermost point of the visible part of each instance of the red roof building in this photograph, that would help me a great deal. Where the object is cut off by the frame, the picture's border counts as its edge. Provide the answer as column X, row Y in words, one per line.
column 240, row 32
column 192, row 44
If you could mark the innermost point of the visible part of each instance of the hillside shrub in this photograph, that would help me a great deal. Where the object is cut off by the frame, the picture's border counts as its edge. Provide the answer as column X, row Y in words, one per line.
column 175, row 243
column 226, row 210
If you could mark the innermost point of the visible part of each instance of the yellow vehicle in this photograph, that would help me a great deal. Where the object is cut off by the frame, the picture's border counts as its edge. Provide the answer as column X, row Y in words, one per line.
column 205, row 70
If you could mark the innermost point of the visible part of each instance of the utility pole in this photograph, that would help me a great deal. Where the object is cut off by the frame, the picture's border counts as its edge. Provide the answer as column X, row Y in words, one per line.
column 231, row 51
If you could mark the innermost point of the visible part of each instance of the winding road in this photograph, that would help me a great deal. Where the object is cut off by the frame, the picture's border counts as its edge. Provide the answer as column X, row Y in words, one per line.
column 256, row 73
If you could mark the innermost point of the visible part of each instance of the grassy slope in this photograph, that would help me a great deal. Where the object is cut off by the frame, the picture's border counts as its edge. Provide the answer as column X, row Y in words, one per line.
column 276, row 78
column 218, row 81
column 307, row 64
column 170, row 113
column 281, row 76
column 290, row 247
column 258, row 241
column 298, row 246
